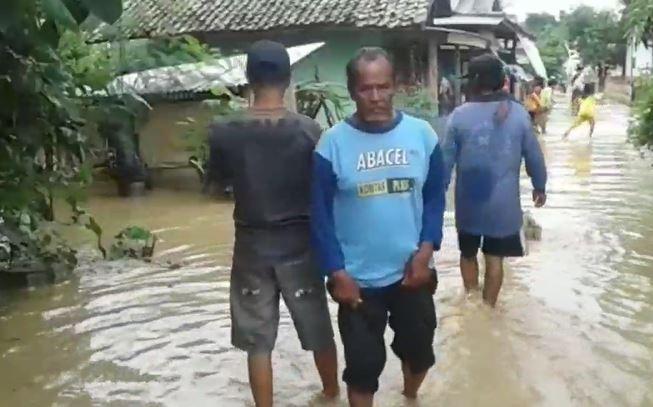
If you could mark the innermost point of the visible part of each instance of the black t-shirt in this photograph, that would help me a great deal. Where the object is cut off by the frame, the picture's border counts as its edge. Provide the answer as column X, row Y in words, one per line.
column 267, row 157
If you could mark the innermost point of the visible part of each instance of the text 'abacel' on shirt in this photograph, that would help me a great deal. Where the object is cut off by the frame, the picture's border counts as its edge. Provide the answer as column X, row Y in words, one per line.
column 377, row 194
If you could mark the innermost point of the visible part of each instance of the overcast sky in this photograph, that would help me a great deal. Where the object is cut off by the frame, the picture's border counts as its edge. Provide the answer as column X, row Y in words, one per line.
column 523, row 7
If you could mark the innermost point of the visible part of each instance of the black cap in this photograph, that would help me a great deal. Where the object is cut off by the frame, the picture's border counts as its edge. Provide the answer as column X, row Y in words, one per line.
column 268, row 62
column 486, row 71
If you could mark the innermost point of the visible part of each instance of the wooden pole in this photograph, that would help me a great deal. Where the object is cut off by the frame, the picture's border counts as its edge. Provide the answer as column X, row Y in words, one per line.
column 459, row 69
column 433, row 78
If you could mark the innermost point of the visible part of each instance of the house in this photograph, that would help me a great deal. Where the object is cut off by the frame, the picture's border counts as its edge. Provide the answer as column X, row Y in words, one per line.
column 182, row 100
column 404, row 27
column 425, row 36
column 428, row 38
column 505, row 36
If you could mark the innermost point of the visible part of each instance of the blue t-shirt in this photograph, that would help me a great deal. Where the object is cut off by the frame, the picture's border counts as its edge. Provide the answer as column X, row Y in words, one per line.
column 487, row 140
column 376, row 195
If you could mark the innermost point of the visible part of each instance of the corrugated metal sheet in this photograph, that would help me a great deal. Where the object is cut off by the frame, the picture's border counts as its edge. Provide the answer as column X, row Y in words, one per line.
column 196, row 77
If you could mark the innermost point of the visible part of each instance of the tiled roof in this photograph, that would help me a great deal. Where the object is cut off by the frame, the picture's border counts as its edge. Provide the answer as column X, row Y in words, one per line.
column 153, row 18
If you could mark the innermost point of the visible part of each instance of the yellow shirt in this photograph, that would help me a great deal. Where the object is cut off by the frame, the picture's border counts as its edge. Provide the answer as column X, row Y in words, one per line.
column 533, row 103
column 587, row 107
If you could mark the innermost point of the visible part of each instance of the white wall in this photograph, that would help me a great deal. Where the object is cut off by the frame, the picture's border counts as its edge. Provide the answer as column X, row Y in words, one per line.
column 639, row 59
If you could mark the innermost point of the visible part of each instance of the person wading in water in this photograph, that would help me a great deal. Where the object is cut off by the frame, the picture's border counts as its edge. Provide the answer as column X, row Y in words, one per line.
column 378, row 207
column 486, row 141
column 267, row 153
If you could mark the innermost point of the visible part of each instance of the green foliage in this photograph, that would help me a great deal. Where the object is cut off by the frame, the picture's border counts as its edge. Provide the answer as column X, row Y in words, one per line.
column 536, row 23
column 48, row 74
column 315, row 97
column 417, row 102
column 42, row 142
column 194, row 138
column 639, row 24
column 59, row 13
column 551, row 43
column 639, row 18
column 641, row 130
column 133, row 242
column 140, row 55
column 82, row 217
column 135, row 232
column 108, row 11
column 599, row 37
column 27, row 246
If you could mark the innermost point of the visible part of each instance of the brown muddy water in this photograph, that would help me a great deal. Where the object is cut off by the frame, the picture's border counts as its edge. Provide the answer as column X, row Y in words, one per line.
column 574, row 326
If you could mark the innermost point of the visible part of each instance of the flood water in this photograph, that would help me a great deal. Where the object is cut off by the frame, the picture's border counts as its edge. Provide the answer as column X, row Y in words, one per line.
column 574, row 326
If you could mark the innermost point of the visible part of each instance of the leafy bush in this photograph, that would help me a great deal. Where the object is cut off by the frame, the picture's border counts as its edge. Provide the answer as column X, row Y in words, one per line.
column 133, row 242
column 330, row 99
column 42, row 139
column 417, row 102
column 641, row 129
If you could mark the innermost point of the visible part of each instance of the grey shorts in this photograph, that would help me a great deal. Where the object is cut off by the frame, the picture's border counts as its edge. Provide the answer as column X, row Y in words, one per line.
column 257, row 284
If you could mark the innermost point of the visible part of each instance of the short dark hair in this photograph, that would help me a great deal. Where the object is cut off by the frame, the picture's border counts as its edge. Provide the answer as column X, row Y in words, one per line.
column 486, row 73
column 367, row 54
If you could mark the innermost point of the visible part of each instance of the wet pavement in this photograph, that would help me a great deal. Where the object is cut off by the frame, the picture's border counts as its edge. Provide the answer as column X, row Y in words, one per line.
column 574, row 326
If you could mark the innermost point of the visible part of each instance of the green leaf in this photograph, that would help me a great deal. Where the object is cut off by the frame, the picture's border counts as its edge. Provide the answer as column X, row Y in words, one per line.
column 49, row 33
column 77, row 10
column 58, row 12
column 94, row 227
column 108, row 11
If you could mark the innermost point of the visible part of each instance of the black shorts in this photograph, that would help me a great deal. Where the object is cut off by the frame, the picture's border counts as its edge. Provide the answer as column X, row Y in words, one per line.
column 511, row 246
column 413, row 320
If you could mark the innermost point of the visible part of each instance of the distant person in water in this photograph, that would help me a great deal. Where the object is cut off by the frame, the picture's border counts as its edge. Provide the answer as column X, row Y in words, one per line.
column 577, row 86
column 486, row 141
column 546, row 99
column 586, row 112
column 267, row 153
column 378, row 207
column 533, row 102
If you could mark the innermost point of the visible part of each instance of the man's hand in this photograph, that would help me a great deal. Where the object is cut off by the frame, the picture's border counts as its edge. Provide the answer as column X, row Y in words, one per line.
column 539, row 198
column 418, row 273
column 344, row 289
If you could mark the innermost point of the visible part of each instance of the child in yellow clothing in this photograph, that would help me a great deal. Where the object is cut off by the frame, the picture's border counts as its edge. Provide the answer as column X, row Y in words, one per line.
column 586, row 113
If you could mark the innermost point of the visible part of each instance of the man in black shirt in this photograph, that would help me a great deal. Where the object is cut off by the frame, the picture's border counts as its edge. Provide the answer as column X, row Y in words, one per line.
column 267, row 154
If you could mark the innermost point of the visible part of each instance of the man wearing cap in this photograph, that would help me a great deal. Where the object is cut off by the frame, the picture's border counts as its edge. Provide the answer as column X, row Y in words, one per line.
column 486, row 140
column 267, row 153
column 378, row 205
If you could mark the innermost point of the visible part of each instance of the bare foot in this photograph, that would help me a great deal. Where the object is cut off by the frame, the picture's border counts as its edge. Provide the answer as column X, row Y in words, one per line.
column 322, row 399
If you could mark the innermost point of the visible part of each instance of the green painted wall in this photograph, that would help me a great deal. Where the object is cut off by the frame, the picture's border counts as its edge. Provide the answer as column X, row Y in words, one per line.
column 329, row 61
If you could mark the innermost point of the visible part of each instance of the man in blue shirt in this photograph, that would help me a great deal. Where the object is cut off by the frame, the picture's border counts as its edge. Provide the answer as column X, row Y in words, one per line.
column 486, row 140
column 378, row 200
